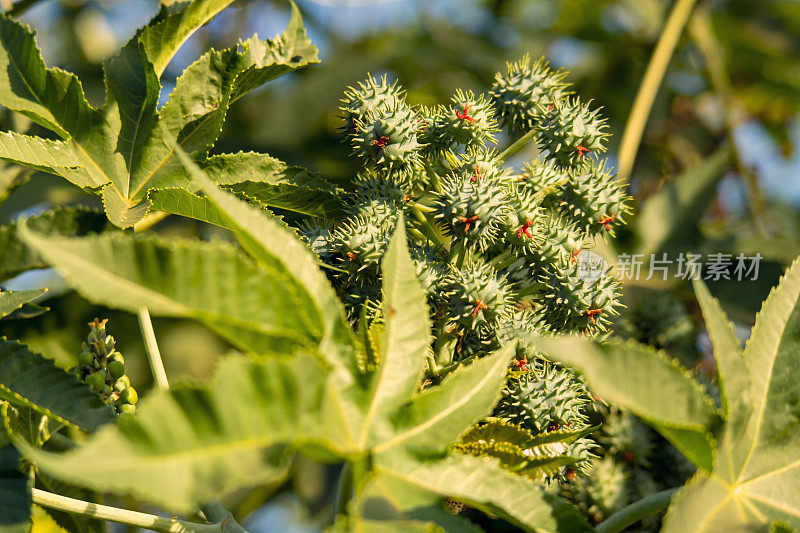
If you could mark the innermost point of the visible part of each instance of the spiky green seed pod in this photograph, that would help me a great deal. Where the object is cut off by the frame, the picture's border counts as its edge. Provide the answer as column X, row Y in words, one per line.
column 485, row 164
column 541, row 176
column 524, row 91
column 607, row 487
column 362, row 240
column 370, row 94
column 387, row 137
column 477, row 296
column 552, row 245
column 628, row 438
column 317, row 236
column 583, row 449
column 593, row 199
column 570, row 131
column 431, row 266
column 544, row 398
column 391, row 185
column 574, row 303
column 472, row 209
column 469, row 121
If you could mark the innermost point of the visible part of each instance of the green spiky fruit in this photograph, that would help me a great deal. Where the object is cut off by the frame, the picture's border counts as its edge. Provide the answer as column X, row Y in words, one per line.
column 573, row 303
column 627, row 438
column 387, row 136
column 472, row 209
column 477, row 296
column 431, row 266
column 85, row 359
column 317, row 236
column 369, row 95
column 593, row 199
column 607, row 486
column 524, row 91
column 570, row 131
column 468, row 121
column 544, row 398
column 362, row 240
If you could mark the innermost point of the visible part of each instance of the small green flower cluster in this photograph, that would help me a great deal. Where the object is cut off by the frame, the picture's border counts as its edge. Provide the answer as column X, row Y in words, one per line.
column 103, row 368
column 495, row 247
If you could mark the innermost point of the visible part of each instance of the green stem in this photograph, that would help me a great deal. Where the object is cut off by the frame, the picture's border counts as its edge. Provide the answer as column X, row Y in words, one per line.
column 648, row 90
column 459, row 251
column 636, row 511
column 213, row 510
column 151, row 347
column 518, row 145
column 124, row 516
column 425, row 225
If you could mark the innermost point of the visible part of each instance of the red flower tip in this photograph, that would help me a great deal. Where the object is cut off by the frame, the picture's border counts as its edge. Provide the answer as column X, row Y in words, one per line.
column 478, row 306
column 468, row 222
column 381, row 142
column 606, row 221
column 463, row 115
column 523, row 230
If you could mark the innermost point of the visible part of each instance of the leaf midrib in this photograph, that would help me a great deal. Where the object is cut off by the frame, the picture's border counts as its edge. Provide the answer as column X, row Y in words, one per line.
column 432, row 421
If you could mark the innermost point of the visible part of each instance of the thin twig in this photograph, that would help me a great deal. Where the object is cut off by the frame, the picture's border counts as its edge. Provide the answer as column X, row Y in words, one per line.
column 518, row 145
column 648, row 90
column 120, row 516
column 151, row 347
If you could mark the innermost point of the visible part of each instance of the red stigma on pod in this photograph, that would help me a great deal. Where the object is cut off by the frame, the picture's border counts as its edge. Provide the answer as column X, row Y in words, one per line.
column 351, row 256
column 523, row 230
column 606, row 221
column 522, row 364
column 582, row 151
column 477, row 175
column 571, row 475
column 468, row 222
column 591, row 313
column 381, row 142
column 575, row 253
column 552, row 427
column 463, row 114
column 478, row 306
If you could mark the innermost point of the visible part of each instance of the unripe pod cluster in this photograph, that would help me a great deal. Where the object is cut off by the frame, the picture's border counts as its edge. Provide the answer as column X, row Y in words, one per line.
column 103, row 368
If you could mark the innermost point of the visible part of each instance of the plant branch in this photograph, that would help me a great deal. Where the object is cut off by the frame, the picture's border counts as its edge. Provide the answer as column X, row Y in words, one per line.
column 648, row 90
column 518, row 145
column 636, row 511
column 122, row 516
column 151, row 347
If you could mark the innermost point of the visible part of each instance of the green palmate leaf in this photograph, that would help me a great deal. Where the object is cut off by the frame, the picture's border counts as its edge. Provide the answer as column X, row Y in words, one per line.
column 11, row 301
column 259, row 309
column 15, row 492
column 277, row 248
column 55, row 99
column 437, row 417
column 732, row 375
column 756, row 478
column 481, row 483
column 173, row 25
column 35, row 382
column 181, row 202
column 42, row 154
column 359, row 525
column 405, row 339
column 26, row 423
column 638, row 378
column 17, row 257
column 296, row 198
column 194, row 118
column 186, row 444
column 675, row 210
